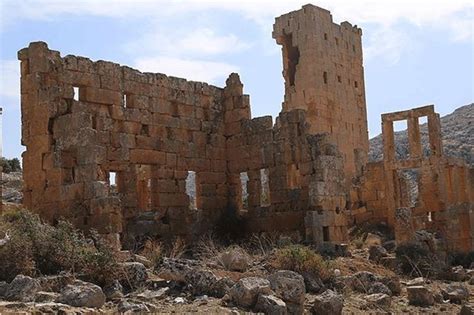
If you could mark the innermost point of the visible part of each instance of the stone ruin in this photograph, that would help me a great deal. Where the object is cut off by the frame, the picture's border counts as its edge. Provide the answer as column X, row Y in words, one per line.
column 134, row 154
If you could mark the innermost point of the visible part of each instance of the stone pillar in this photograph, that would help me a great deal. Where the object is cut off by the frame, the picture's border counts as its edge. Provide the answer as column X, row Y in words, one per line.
column 388, row 140
column 414, row 139
column 434, row 129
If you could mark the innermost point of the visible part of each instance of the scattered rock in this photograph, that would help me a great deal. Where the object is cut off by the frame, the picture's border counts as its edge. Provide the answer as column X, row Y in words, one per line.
column 245, row 292
column 56, row 283
column 467, row 309
column 456, row 293
column 175, row 269
column 458, row 273
column 235, row 259
column 328, row 303
column 376, row 253
column 82, row 294
column 390, row 245
column 379, row 287
column 3, row 288
column 416, row 282
column 313, row 283
column 147, row 295
column 201, row 281
column 46, row 297
column 22, row 288
column 221, row 287
column 114, row 290
column 143, row 260
column 393, row 283
column 288, row 285
column 471, row 281
column 378, row 300
column 133, row 307
column 134, row 274
column 270, row 304
column 179, row 300
column 372, row 240
column 420, row 296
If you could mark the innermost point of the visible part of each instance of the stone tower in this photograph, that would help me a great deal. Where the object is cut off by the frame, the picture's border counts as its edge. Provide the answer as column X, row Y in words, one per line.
column 323, row 72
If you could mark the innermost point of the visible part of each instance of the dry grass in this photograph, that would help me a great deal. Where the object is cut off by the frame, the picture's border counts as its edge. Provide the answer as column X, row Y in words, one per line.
column 302, row 259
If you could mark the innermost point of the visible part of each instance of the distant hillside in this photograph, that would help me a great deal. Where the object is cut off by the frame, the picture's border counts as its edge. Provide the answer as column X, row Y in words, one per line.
column 457, row 132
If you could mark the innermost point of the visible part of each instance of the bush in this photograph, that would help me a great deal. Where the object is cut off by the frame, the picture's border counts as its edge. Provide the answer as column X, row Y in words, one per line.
column 416, row 259
column 302, row 259
column 36, row 248
column 9, row 166
column 462, row 259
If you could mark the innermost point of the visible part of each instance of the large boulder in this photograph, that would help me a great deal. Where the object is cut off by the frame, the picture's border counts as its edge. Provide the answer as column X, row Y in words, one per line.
column 379, row 287
column 221, row 287
column 456, row 293
column 377, row 252
column 46, row 297
column 3, row 288
column 134, row 274
column 114, row 290
column 288, row 285
column 270, row 304
column 313, row 283
column 245, row 292
column 393, row 283
column 22, row 288
column 328, row 303
column 467, row 309
column 420, row 296
column 175, row 269
column 235, row 259
column 82, row 294
column 201, row 281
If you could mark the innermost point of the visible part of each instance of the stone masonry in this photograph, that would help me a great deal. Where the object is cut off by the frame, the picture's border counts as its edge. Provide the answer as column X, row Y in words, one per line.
column 137, row 155
column 434, row 191
column 324, row 75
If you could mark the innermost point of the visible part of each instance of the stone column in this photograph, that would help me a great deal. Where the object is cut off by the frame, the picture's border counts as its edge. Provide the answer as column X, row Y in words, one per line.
column 414, row 138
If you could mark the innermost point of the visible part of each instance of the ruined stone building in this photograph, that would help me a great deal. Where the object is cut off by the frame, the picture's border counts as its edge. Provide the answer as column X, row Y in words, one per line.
column 185, row 154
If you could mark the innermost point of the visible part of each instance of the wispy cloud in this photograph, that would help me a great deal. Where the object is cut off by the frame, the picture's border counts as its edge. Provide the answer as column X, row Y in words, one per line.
column 192, row 69
column 202, row 41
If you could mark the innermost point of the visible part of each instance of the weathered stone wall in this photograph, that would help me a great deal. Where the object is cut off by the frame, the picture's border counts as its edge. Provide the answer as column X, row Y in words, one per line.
column 149, row 129
column 443, row 187
column 84, row 121
column 323, row 71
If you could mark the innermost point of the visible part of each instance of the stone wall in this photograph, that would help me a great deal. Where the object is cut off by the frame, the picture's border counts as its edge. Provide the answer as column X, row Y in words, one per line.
column 437, row 190
column 324, row 75
column 177, row 151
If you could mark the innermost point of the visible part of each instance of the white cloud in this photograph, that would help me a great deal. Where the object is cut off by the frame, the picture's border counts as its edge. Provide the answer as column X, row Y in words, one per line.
column 197, row 70
column 454, row 16
column 10, row 80
column 201, row 41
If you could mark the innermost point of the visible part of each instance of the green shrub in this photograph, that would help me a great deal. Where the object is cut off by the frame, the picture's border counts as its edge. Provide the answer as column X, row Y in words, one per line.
column 302, row 259
column 10, row 165
column 36, row 248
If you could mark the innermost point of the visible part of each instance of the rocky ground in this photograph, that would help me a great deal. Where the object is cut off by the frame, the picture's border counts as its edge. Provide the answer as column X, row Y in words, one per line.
column 232, row 281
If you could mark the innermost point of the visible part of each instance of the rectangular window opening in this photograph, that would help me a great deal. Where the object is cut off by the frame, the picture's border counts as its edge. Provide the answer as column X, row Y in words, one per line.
column 326, row 233
column 339, row 79
column 76, row 93
column 353, row 48
column 430, row 216
column 325, row 36
column 113, row 180
column 337, row 41
column 144, row 187
column 325, row 77
column 191, row 190
column 126, row 100
column 356, row 85
column 265, row 188
column 244, row 194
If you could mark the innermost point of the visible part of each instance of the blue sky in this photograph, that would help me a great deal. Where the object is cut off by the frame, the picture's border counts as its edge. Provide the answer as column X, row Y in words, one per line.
column 415, row 52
